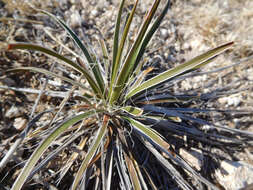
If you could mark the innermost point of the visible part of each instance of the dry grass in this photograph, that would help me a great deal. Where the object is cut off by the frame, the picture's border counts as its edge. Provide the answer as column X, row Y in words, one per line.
column 23, row 7
column 208, row 23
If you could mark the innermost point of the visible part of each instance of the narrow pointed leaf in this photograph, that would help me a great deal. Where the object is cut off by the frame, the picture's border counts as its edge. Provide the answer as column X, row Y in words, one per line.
column 53, row 154
column 129, row 161
column 121, row 166
column 195, row 68
column 143, row 99
column 93, row 64
column 169, row 167
column 48, row 73
column 47, row 52
column 116, row 33
column 150, row 180
column 132, row 55
column 121, row 45
column 105, row 61
column 141, row 77
column 91, row 152
column 154, row 138
column 108, row 167
column 73, row 36
column 60, row 57
column 147, row 131
column 132, row 171
column 158, row 101
column 133, row 110
column 195, row 62
column 151, row 32
column 136, row 74
column 140, row 175
column 43, row 147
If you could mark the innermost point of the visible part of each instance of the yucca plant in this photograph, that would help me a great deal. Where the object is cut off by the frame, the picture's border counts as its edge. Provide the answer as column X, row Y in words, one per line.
column 128, row 127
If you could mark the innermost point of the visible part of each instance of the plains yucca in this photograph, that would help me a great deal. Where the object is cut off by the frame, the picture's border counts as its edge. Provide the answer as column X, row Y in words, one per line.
column 127, row 127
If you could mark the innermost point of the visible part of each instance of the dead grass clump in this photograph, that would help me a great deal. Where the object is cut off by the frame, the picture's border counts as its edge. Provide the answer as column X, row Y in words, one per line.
column 210, row 22
column 24, row 6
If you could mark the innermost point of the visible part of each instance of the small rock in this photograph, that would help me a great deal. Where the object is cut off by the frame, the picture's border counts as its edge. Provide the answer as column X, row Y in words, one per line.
column 94, row 13
column 20, row 123
column 195, row 43
column 164, row 33
column 186, row 84
column 193, row 157
column 75, row 19
column 206, row 127
column 73, row 1
column 222, row 100
column 230, row 101
column 186, row 46
column 12, row 112
column 239, row 175
column 56, row 82
column 234, row 101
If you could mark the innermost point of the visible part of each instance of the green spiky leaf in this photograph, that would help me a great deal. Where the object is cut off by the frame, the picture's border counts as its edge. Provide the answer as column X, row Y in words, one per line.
column 133, row 110
column 195, row 62
column 43, row 147
column 91, row 152
column 60, row 57
column 48, row 73
column 93, row 64
column 132, row 55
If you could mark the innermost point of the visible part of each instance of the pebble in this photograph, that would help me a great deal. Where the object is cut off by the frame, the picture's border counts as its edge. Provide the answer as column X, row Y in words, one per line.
column 195, row 43
column 234, row 101
column 12, row 112
column 207, row 127
column 164, row 33
column 222, row 100
column 230, row 101
column 186, row 46
column 94, row 13
column 20, row 123
column 75, row 19
column 239, row 175
column 73, row 1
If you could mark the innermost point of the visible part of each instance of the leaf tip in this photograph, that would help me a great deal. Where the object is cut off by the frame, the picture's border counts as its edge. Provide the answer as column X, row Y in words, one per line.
column 230, row 43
